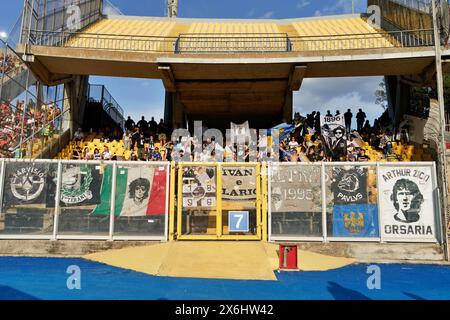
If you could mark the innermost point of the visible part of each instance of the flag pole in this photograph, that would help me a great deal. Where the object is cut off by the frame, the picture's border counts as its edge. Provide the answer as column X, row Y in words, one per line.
column 442, row 146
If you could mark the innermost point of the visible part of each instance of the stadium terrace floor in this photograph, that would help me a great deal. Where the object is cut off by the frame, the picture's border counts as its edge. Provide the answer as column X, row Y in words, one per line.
column 46, row 278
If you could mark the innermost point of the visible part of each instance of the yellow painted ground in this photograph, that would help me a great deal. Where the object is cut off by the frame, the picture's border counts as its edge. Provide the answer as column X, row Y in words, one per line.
column 311, row 261
column 211, row 259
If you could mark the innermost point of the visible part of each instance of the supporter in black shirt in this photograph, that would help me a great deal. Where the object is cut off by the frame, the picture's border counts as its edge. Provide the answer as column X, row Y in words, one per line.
column 317, row 122
column 141, row 146
column 142, row 125
column 348, row 120
column 135, row 137
column 153, row 125
column 129, row 124
column 360, row 118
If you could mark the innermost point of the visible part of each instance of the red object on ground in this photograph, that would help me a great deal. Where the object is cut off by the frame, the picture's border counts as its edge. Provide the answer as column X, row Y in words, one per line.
column 448, row 145
column 288, row 256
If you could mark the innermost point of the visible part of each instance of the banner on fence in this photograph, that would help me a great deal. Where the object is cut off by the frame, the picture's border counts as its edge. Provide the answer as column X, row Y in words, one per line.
column 355, row 220
column 140, row 191
column 406, row 203
column 24, row 184
column 296, row 189
column 333, row 136
column 238, row 184
column 199, row 187
column 80, row 185
column 349, row 185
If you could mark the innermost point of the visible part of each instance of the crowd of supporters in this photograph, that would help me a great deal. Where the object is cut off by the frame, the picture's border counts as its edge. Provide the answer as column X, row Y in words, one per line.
column 139, row 140
column 150, row 141
column 305, row 144
column 10, row 64
column 26, row 119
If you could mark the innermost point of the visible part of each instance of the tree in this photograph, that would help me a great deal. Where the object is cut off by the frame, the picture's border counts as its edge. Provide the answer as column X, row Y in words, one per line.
column 381, row 96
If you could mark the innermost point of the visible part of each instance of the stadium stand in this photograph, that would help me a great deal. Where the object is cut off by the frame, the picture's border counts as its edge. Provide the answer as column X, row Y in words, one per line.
column 160, row 34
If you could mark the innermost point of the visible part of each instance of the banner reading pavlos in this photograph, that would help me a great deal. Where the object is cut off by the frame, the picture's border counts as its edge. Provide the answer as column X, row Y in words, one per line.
column 406, row 203
column 140, row 191
column 349, row 185
column 296, row 188
column 333, row 136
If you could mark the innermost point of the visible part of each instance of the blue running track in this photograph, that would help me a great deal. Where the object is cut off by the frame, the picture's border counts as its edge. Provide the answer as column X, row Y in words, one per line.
column 46, row 278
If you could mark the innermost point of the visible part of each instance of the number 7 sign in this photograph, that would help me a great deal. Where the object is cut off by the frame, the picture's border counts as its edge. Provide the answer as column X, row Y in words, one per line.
column 238, row 221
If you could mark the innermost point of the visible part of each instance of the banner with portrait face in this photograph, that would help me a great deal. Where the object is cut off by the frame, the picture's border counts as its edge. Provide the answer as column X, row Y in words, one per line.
column 349, row 186
column 25, row 184
column 334, row 137
column 407, row 204
column 80, row 185
column 199, row 187
column 296, row 188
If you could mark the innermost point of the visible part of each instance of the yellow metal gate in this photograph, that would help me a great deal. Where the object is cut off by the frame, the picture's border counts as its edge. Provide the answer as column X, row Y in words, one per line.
column 210, row 196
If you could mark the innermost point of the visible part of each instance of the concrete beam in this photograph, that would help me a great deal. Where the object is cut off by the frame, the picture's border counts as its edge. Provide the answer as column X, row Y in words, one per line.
column 167, row 78
column 232, row 86
column 39, row 69
column 296, row 77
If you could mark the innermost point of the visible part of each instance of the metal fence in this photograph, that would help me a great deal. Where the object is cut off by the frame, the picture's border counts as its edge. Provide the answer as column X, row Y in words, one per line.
column 53, row 15
column 239, row 43
column 220, row 43
column 420, row 5
column 32, row 113
column 99, row 93
column 326, row 202
column 209, row 195
column 46, row 199
column 354, row 202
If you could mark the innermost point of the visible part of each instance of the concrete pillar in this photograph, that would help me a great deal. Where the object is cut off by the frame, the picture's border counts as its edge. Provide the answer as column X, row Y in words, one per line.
column 179, row 119
column 168, row 109
column 287, row 113
column 75, row 94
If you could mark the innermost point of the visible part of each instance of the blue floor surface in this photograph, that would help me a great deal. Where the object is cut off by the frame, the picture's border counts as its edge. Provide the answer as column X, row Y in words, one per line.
column 23, row 278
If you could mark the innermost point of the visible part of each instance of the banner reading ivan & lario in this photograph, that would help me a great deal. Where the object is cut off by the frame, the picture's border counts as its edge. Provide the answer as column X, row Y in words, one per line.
column 407, row 208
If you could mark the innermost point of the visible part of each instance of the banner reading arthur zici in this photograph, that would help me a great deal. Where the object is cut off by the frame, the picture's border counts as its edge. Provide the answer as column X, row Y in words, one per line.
column 406, row 203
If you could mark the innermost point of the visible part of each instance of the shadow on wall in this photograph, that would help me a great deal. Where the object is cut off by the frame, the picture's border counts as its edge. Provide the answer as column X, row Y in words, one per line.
column 340, row 293
column 8, row 293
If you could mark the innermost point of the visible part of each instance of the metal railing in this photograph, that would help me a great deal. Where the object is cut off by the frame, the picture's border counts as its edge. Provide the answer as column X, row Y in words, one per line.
column 91, row 215
column 104, row 41
column 221, row 43
column 44, row 135
column 397, row 39
column 420, row 5
column 99, row 93
column 237, row 43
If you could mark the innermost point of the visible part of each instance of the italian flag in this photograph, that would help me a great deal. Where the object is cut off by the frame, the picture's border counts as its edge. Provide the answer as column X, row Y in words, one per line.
column 149, row 200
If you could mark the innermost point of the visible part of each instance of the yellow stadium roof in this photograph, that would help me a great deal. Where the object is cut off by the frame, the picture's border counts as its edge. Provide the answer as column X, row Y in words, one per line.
column 160, row 34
